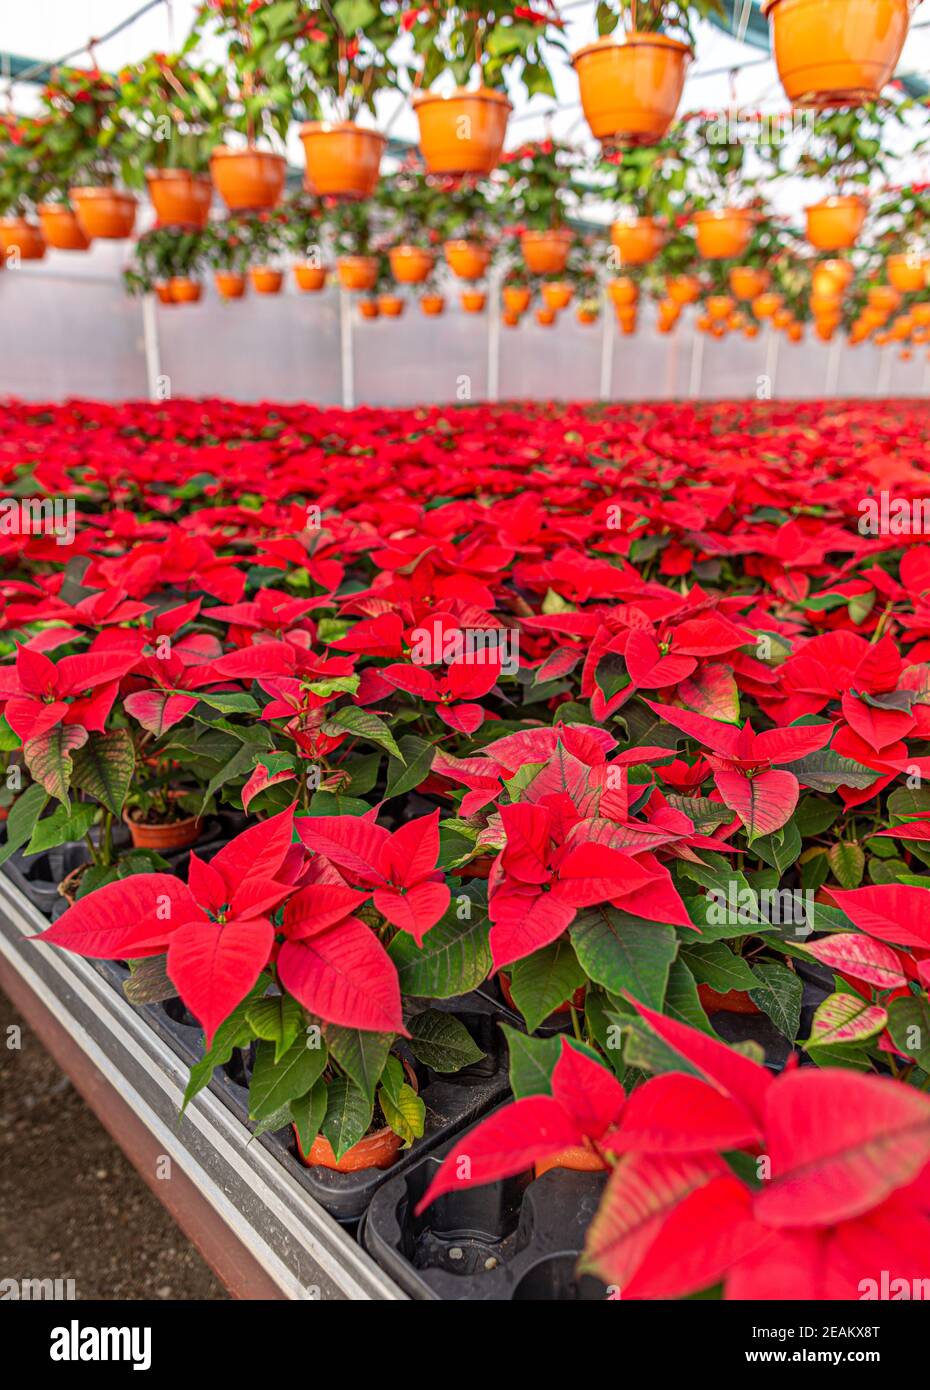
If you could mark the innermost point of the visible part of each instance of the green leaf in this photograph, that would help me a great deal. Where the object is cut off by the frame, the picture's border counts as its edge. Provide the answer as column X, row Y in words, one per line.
column 227, row 701
column 813, row 816
column 454, row 958
column 682, row 1000
column 404, row 1111
column 348, row 1115
column 622, row 952
column 277, row 1018
column 233, row 1032
column 531, row 1062
column 714, row 964
column 62, row 826
column 277, row 1083
column 361, row 1055
column 825, row 770
column 149, row 983
column 781, row 849
column 363, row 724
column 48, row 758
column 104, row 767
column 545, row 980
column 416, row 760
column 847, row 861
column 779, row 994
column 909, row 1026
column 307, row 1113
column 442, row 1041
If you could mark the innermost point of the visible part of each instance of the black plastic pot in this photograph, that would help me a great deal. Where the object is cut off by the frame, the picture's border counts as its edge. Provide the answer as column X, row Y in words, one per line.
column 517, row 1240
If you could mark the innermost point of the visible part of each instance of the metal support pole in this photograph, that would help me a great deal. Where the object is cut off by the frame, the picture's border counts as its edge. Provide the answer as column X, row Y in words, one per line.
column 153, row 372
column 833, row 368
column 346, row 353
column 494, row 336
column 697, row 365
column 608, row 330
column 771, row 359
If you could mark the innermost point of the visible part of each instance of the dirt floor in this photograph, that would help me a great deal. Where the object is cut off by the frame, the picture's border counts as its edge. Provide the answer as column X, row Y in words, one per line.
column 71, row 1206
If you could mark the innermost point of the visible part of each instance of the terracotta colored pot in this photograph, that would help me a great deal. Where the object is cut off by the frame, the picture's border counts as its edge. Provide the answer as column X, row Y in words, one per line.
column 343, row 159
column 577, row 1159
column 623, row 292
column 473, row 301
column 21, row 238
column 229, row 285
column 368, row 308
column 766, row 305
column 310, row 278
column 509, row 320
column 730, row 1003
column 61, row 228
column 719, row 306
column 545, row 316
column 432, row 305
column 184, row 290
column 831, row 277
column 248, row 180
column 391, row 306
column 557, row 294
column 585, row 316
column 466, row 259
column 410, row 265
column 180, row 198
column 104, row 212
column 546, row 253
column 377, row 1150
column 835, row 223
column 174, row 835
column 638, row 239
column 463, row 131
column 163, row 292
column 723, row 233
column 357, row 272
column 920, row 313
column 265, row 280
column 782, row 318
column 908, row 273
column 836, row 52
column 746, row 282
column 683, row 289
column 751, row 330
column 883, row 297
column 516, row 298
column 626, row 317
column 630, row 91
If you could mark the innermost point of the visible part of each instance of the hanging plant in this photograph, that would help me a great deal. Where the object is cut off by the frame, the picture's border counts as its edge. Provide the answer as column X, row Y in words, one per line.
column 630, row 90
column 169, row 262
column 849, row 148
column 646, row 187
column 722, row 186
column 83, row 133
column 21, row 140
column 537, row 186
column 837, row 52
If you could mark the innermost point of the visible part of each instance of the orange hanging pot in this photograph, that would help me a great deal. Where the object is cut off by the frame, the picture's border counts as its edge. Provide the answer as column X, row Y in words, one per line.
column 545, row 316
column 585, row 316
column 557, row 294
column 310, row 279
column 410, row 265
column 719, row 307
column 390, row 306
column 627, row 319
column 343, row 159
column 104, row 212
column 180, row 198
column 920, row 313
column 836, row 52
column 510, row 319
column 228, row 284
column 516, row 298
column 546, row 253
column 766, row 305
column 638, row 239
column 265, row 280
column 357, row 272
column 368, row 308
column 630, row 91
column 831, row 277
column 746, row 282
column 723, row 233
column 61, row 228
column 683, row 289
column 835, row 223
column 907, row 272
column 623, row 292
column 19, row 237
column 163, row 292
column 884, row 298
column 184, row 290
column 462, row 132
column 473, row 301
column 248, row 180
column 432, row 305
column 468, row 260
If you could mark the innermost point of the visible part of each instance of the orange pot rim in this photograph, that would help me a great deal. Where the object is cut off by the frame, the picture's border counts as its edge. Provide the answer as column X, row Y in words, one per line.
column 355, row 259
column 49, row 209
column 837, row 200
column 408, row 248
column 176, row 173
column 720, row 214
column 95, row 191
column 11, row 220
column 340, row 128
column 634, row 39
column 462, row 94
column 249, row 151
column 560, row 233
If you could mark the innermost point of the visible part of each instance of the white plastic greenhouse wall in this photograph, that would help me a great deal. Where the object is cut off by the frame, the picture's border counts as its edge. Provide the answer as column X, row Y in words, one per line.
column 70, row 329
